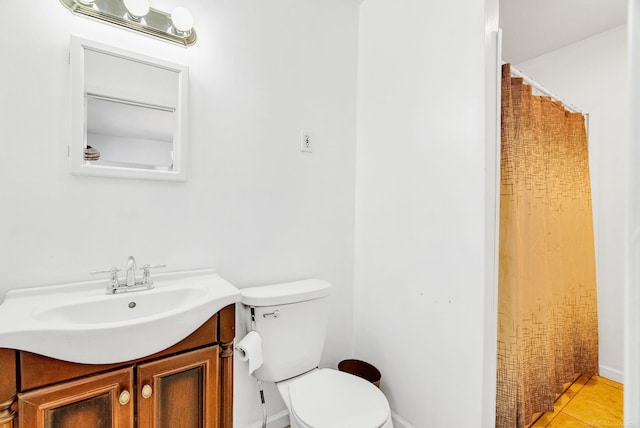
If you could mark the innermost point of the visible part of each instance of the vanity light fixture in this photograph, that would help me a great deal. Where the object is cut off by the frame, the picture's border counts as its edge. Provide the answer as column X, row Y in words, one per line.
column 137, row 15
column 136, row 9
column 181, row 20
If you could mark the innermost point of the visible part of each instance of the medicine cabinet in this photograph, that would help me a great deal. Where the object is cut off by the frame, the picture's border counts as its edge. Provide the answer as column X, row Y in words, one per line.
column 129, row 114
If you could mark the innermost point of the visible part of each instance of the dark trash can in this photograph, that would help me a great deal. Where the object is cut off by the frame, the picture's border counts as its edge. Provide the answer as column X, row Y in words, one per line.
column 361, row 369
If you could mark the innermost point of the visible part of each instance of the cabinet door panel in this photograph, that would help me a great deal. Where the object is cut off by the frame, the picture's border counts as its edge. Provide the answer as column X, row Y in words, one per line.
column 92, row 412
column 91, row 402
column 172, row 389
column 182, row 391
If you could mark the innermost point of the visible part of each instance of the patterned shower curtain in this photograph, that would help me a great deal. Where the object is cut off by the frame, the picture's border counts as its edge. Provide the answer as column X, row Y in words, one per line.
column 547, row 320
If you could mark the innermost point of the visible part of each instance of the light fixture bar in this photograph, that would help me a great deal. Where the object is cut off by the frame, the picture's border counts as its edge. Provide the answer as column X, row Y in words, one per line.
column 155, row 23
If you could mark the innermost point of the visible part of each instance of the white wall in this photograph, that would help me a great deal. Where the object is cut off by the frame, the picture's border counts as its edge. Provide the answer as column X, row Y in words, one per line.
column 632, row 223
column 592, row 74
column 420, row 207
column 254, row 206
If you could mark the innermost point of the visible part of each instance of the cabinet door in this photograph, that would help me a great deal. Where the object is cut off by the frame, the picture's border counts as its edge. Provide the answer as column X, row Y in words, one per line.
column 180, row 391
column 99, row 401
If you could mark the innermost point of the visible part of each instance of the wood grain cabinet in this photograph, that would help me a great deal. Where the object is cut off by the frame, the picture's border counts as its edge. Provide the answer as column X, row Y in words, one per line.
column 188, row 385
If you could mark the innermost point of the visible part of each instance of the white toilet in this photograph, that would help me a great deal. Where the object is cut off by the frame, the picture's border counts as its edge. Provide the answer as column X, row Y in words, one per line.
column 291, row 319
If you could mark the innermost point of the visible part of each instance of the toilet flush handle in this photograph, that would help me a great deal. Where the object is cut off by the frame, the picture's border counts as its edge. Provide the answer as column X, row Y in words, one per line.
column 274, row 314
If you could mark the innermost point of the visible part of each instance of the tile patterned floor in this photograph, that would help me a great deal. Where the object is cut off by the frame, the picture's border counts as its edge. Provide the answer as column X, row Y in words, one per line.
column 588, row 403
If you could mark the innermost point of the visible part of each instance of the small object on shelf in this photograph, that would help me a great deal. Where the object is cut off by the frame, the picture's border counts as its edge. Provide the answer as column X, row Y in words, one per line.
column 91, row 154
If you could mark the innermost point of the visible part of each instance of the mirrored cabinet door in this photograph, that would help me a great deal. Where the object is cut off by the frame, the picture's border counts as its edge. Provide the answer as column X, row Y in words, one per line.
column 129, row 114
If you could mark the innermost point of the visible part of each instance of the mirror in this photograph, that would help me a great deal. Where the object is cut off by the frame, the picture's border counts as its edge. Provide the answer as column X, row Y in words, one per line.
column 128, row 114
column 124, row 134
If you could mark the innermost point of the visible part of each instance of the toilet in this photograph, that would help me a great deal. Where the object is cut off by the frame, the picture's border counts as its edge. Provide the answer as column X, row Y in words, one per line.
column 291, row 319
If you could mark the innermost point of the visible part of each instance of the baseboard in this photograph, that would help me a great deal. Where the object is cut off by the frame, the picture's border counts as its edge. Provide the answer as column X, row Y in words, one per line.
column 279, row 420
column 399, row 421
column 609, row 373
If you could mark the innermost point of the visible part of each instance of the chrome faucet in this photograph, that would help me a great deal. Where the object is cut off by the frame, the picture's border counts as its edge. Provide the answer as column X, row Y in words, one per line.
column 131, row 272
column 130, row 283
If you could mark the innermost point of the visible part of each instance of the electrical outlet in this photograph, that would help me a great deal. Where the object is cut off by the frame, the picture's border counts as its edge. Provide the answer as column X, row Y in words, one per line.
column 306, row 141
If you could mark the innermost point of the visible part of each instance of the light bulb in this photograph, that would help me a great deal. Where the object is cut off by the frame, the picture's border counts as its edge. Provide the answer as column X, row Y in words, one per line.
column 86, row 2
column 136, row 8
column 181, row 19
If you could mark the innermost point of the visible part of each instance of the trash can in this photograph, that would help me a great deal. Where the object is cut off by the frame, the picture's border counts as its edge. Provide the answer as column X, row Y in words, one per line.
column 361, row 369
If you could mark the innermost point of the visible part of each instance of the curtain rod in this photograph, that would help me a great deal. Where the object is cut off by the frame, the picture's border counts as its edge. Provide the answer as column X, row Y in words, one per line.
column 529, row 81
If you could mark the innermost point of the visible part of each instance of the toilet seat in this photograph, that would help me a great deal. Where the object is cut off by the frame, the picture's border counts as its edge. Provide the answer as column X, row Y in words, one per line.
column 332, row 399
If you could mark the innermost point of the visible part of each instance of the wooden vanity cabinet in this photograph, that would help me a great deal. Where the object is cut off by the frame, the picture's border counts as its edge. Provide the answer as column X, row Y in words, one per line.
column 188, row 385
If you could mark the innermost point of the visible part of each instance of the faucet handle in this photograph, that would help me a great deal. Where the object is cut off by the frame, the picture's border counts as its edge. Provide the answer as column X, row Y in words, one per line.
column 146, row 274
column 154, row 266
column 114, row 276
column 112, row 271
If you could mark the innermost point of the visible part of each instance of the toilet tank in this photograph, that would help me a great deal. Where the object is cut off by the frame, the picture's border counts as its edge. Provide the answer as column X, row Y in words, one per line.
column 291, row 318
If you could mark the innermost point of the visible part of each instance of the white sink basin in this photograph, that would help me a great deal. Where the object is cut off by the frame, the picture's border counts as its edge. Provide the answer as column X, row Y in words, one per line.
column 130, row 307
column 80, row 323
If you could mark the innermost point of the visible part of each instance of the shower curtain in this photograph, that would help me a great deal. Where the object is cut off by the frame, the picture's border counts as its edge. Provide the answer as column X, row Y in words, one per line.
column 547, row 320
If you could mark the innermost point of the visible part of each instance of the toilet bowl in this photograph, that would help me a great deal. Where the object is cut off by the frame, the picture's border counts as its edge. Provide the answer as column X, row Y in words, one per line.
column 291, row 321
column 329, row 398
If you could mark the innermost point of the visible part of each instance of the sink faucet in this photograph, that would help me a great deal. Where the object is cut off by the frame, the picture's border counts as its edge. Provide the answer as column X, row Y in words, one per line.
column 130, row 283
column 131, row 272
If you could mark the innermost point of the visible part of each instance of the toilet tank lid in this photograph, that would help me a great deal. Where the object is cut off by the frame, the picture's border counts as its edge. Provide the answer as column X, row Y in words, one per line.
column 285, row 293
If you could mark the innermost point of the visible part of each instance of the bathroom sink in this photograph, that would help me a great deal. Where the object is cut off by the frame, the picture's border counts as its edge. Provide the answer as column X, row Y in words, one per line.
column 79, row 322
column 119, row 308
